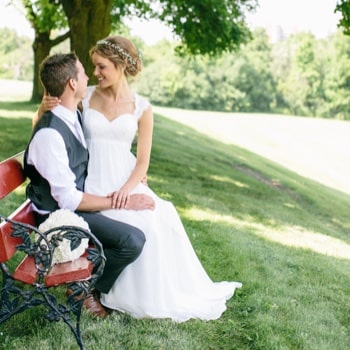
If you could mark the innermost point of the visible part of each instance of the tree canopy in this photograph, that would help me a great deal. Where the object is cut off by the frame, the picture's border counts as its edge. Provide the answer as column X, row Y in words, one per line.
column 202, row 27
column 343, row 7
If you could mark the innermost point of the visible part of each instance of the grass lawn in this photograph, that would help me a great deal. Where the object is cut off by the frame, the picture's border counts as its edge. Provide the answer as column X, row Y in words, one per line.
column 284, row 236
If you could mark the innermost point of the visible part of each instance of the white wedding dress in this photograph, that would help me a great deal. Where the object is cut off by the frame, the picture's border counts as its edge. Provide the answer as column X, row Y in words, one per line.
column 167, row 280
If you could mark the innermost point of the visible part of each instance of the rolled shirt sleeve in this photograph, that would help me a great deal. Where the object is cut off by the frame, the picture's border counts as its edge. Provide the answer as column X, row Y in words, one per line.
column 47, row 152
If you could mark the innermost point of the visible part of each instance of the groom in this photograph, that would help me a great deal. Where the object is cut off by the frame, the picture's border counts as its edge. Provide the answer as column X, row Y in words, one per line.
column 56, row 160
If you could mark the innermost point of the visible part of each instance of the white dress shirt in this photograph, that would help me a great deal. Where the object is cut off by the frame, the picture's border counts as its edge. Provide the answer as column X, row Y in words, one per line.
column 47, row 152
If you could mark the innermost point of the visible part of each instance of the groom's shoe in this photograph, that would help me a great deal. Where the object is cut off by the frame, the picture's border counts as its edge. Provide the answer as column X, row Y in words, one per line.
column 91, row 304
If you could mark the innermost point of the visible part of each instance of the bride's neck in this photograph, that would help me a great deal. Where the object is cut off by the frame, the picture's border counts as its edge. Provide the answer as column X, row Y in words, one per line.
column 119, row 92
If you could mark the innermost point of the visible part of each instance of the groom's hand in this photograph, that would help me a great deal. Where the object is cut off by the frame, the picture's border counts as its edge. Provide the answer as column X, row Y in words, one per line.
column 138, row 201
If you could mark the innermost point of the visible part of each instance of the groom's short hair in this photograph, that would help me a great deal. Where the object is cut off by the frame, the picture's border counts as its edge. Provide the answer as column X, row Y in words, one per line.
column 56, row 70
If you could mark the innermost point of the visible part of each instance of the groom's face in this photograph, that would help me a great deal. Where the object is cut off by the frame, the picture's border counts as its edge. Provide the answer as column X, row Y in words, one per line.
column 82, row 80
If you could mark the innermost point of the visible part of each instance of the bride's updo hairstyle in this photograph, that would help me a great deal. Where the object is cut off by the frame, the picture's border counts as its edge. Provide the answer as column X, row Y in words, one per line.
column 120, row 51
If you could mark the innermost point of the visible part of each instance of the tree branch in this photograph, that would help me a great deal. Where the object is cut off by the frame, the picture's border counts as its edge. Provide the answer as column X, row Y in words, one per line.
column 60, row 38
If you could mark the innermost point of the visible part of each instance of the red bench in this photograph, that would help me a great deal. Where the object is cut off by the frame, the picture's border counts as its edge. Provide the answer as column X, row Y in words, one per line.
column 35, row 270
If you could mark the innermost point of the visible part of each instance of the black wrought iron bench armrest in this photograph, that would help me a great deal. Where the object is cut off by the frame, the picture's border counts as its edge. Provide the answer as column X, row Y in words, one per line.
column 30, row 283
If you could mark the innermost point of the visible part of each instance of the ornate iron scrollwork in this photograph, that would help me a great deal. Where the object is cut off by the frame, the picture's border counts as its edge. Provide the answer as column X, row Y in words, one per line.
column 15, row 296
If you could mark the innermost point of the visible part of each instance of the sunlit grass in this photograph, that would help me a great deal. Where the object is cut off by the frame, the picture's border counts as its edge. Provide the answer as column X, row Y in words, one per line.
column 14, row 90
column 292, row 236
column 16, row 114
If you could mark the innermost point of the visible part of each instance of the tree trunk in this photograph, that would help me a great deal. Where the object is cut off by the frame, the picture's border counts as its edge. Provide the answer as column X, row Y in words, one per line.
column 89, row 21
column 41, row 48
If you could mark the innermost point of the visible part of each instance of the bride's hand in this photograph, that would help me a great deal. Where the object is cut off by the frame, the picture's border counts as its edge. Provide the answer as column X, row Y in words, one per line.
column 120, row 199
column 49, row 102
column 136, row 201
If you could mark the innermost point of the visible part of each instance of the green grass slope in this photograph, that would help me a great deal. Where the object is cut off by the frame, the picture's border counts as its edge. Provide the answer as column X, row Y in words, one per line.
column 283, row 236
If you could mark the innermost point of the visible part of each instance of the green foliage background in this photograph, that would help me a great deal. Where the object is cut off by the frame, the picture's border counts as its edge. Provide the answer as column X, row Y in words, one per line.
column 296, row 75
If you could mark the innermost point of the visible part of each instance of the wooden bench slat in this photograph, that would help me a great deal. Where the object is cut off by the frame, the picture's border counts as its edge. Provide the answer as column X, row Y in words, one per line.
column 7, row 243
column 11, row 176
column 26, row 271
column 77, row 270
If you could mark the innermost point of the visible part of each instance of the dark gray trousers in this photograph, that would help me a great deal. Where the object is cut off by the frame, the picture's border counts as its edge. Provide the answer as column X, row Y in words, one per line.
column 122, row 244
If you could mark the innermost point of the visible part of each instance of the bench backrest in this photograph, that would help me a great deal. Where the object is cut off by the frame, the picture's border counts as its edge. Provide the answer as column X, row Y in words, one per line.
column 11, row 177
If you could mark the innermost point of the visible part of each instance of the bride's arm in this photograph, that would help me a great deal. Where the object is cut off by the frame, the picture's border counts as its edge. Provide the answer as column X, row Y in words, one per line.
column 47, row 103
column 144, row 146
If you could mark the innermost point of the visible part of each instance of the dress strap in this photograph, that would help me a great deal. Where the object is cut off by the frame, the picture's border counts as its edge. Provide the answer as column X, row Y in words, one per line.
column 141, row 104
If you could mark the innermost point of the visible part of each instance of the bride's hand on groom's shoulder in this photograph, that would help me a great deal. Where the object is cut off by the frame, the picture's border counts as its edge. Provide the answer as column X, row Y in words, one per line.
column 139, row 201
column 49, row 102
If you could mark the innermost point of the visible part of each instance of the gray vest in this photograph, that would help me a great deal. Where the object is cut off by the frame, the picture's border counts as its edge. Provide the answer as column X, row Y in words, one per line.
column 38, row 190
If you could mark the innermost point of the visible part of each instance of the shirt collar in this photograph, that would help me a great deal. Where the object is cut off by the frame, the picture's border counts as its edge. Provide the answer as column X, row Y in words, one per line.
column 65, row 114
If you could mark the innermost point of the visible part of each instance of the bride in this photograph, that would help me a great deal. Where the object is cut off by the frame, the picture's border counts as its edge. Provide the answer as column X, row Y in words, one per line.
column 167, row 280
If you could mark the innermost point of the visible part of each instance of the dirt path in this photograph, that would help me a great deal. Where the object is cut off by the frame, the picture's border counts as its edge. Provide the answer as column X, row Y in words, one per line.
column 315, row 148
